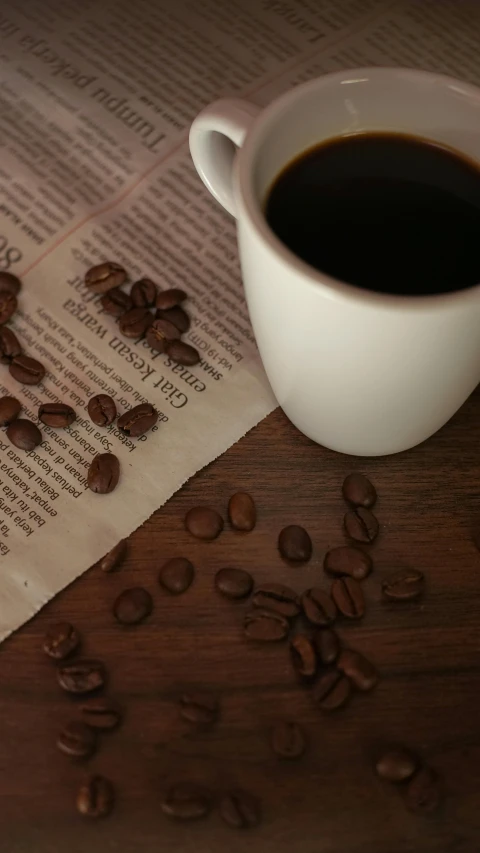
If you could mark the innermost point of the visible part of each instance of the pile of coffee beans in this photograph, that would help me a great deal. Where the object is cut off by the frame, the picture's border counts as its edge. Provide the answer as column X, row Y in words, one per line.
column 419, row 783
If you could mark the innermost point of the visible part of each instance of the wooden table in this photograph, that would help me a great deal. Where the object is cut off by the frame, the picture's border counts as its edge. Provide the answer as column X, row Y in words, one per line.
column 330, row 801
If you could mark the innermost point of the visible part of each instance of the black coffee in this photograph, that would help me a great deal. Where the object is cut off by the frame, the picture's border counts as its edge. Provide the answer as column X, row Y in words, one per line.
column 383, row 211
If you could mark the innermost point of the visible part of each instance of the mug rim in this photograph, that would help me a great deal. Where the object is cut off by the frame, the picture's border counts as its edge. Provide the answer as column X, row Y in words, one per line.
column 251, row 207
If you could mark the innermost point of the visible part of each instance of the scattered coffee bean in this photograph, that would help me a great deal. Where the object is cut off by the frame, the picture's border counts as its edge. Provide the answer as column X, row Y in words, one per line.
column 144, row 293
column 304, row 657
column 177, row 316
column 277, row 597
column 26, row 370
column 361, row 525
column 176, row 575
column 160, row 333
column 56, row 415
column 423, row 793
column 104, row 277
column 10, row 346
column 203, row 522
column 199, row 708
column 266, row 626
column 182, row 353
column 233, row 583
column 100, row 713
column 170, row 298
column 138, row 420
column 348, row 596
column 359, row 670
column 24, row 434
column 359, row 491
column 332, row 690
column 186, row 801
column 102, row 410
column 241, row 512
column 348, row 560
column 10, row 282
column 327, row 645
column 288, row 740
column 240, row 810
column 114, row 558
column 116, row 302
column 61, row 640
column 81, row 676
column 135, row 323
column 96, row 797
column 10, row 409
column 8, row 305
column 295, row 544
column 77, row 740
column 318, row 607
column 103, row 473
column 396, row 765
column 132, row 606
column 404, row 585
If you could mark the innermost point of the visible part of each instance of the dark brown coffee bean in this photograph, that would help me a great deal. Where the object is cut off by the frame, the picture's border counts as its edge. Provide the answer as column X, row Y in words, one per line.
column 24, row 434
column 170, row 298
column 186, row 801
column 10, row 346
column 348, row 560
column 132, row 606
column 288, row 740
column 95, row 798
column 233, row 583
column 318, row 606
column 10, row 409
column 104, row 277
column 26, row 370
column 177, row 316
column 182, row 353
column 242, row 512
column 204, row 522
column 116, row 302
column 199, row 708
column 423, row 793
column 138, row 420
column 102, row 410
column 348, row 596
column 359, row 670
column 81, row 676
column 135, row 323
column 114, row 559
column 240, row 810
column 160, row 333
column 103, row 473
column 327, row 645
column 176, row 575
column 304, row 657
column 56, row 415
column 61, row 640
column 404, row 585
column 295, row 544
column 277, row 597
column 361, row 525
column 8, row 305
column 332, row 690
column 396, row 765
column 266, row 626
column 358, row 491
column 100, row 714
column 77, row 740
column 10, row 282
column 144, row 293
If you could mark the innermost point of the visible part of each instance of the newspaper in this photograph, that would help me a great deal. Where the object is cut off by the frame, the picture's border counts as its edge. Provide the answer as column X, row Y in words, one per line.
column 95, row 104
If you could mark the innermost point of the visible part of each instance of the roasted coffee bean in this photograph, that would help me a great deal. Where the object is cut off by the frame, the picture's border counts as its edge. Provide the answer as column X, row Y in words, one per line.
column 77, row 740
column 56, row 415
column 318, row 606
column 170, row 298
column 348, row 596
column 404, row 585
column 203, row 522
column 177, row 316
column 81, row 676
column 26, row 370
column 332, row 690
column 114, row 558
column 288, row 740
column 8, row 305
column 304, row 657
column 348, row 560
column 138, row 420
column 10, row 282
column 266, row 626
column 160, row 333
column 10, row 409
column 103, row 473
column 116, row 302
column 100, row 713
column 132, row 606
column 327, row 645
column 176, row 575
column 359, row 491
column 199, row 708
column 295, row 544
column 96, row 797
column 396, row 765
column 361, row 525
column 61, row 640
column 144, row 293
column 240, row 810
column 104, row 277
column 233, row 583
column 241, row 512
column 102, row 410
column 423, row 792
column 182, row 353
column 277, row 597
column 186, row 801
column 24, row 434
column 359, row 670
column 135, row 323
column 9, row 345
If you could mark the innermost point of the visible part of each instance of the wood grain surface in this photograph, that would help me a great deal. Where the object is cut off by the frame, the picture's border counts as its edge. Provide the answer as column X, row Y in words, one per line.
column 428, row 653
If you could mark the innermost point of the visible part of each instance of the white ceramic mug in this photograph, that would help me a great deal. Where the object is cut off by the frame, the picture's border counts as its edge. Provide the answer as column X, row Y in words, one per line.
column 360, row 372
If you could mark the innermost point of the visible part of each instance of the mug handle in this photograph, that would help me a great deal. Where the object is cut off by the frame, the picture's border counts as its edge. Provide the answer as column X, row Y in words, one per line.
column 215, row 135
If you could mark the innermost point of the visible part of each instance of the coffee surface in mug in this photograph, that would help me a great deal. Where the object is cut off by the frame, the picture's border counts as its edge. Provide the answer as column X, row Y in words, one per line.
column 386, row 212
